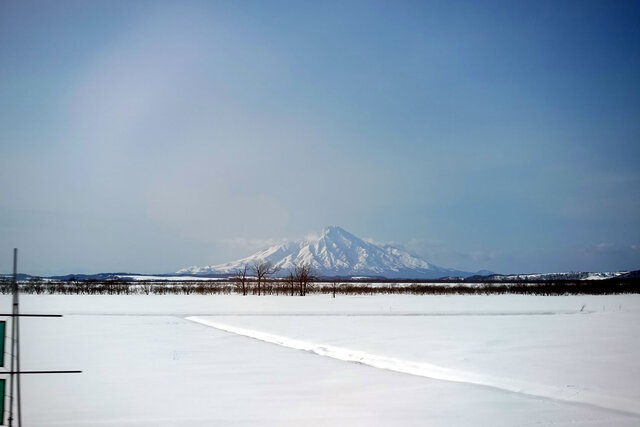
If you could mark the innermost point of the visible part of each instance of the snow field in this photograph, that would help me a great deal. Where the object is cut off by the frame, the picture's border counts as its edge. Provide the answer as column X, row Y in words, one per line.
column 566, row 355
column 146, row 365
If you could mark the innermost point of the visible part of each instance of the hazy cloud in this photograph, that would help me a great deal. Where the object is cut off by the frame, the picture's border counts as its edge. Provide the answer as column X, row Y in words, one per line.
column 251, row 245
column 443, row 254
column 612, row 248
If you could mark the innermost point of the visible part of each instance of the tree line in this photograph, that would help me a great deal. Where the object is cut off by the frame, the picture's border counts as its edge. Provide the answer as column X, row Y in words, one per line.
column 301, row 282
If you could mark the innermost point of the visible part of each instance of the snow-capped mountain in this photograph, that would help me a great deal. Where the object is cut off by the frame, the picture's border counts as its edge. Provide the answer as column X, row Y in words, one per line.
column 338, row 253
column 549, row 277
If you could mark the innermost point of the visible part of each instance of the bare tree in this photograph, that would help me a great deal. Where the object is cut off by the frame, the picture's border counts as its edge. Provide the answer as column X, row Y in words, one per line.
column 263, row 269
column 292, row 281
column 303, row 274
column 241, row 279
column 146, row 287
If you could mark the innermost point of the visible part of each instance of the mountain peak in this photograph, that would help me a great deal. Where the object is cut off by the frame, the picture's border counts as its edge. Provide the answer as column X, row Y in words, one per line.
column 334, row 230
column 338, row 253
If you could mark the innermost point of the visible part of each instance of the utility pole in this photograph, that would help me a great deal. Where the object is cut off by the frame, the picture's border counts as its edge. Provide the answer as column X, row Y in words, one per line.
column 14, row 374
column 15, row 346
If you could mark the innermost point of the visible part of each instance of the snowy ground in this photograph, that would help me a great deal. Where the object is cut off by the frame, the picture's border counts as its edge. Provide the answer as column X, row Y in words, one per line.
column 502, row 360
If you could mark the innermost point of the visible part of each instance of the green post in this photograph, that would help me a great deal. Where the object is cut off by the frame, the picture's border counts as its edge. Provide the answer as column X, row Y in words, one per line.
column 2, row 338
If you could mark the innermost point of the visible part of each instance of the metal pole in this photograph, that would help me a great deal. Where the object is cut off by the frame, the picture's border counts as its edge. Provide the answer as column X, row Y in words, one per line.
column 16, row 320
column 13, row 335
column 15, row 348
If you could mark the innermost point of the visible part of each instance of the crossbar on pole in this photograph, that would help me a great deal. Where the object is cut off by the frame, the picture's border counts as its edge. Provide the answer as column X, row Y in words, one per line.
column 43, row 372
column 30, row 315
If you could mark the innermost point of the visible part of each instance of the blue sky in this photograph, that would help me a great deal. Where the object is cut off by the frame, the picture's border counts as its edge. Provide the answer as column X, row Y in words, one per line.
column 147, row 136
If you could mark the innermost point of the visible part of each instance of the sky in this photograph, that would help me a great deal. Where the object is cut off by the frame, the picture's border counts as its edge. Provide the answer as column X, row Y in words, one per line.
column 148, row 136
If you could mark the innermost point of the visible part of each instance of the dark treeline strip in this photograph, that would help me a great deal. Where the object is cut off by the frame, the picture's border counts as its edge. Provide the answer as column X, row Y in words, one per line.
column 282, row 287
column 562, row 288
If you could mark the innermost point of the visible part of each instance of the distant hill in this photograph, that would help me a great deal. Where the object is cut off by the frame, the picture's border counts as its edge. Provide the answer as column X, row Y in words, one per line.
column 338, row 253
column 581, row 275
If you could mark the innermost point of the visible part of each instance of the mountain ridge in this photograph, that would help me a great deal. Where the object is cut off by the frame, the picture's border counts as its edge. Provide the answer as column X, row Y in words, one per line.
column 338, row 253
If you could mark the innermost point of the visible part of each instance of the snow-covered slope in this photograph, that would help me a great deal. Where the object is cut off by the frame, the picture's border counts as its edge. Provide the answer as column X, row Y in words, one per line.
column 338, row 253
column 580, row 275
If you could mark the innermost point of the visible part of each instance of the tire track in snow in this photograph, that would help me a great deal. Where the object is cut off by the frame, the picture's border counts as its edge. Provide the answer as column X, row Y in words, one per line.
column 571, row 394
column 343, row 314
